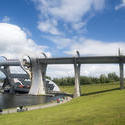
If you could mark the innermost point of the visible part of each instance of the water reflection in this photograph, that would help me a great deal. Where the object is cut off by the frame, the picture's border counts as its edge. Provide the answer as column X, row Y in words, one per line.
column 10, row 101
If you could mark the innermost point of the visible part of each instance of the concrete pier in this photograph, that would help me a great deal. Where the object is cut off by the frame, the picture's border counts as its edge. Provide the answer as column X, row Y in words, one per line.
column 77, row 66
column 77, row 92
column 121, row 67
column 37, row 77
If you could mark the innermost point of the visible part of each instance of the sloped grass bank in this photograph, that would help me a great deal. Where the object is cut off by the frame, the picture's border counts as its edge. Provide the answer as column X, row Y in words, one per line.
column 104, row 108
column 93, row 88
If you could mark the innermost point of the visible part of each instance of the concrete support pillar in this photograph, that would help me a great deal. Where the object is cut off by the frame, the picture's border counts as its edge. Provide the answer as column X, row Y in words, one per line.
column 121, row 67
column 77, row 66
column 43, row 71
column 77, row 92
column 38, row 78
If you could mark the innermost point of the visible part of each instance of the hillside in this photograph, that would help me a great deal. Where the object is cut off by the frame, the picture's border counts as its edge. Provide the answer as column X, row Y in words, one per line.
column 95, row 107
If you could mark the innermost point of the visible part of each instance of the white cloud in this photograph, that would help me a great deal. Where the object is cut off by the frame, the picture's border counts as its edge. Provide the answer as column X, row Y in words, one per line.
column 60, row 70
column 48, row 27
column 94, row 47
column 60, row 41
column 95, row 70
column 14, row 42
column 99, row 4
column 74, row 10
column 27, row 32
column 79, row 25
column 122, row 5
column 6, row 19
column 68, row 11
column 89, row 47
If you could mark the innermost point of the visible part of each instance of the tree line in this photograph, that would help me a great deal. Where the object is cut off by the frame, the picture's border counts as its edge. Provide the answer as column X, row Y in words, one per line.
column 111, row 77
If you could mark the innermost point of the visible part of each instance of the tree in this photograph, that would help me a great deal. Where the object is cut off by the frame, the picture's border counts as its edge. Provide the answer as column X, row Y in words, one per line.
column 85, row 80
column 103, row 78
column 113, row 77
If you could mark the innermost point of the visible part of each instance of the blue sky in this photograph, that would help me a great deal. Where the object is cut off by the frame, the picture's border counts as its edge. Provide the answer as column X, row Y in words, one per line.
column 59, row 27
column 104, row 23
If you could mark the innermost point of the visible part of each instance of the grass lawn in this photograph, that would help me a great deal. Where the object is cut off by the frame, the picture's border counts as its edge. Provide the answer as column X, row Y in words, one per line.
column 96, row 107
column 88, row 89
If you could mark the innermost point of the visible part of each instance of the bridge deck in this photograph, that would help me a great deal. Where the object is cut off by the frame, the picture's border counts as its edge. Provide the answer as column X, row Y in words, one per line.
column 39, row 70
column 71, row 60
column 84, row 60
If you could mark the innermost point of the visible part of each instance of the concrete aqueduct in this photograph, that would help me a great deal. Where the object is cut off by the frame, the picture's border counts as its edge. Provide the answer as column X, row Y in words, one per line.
column 36, row 69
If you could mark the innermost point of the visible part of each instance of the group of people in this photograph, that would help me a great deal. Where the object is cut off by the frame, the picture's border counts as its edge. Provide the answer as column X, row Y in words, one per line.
column 21, row 109
column 61, row 99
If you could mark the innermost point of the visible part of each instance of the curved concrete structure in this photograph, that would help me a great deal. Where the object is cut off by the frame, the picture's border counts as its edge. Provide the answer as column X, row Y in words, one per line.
column 37, row 68
column 52, row 86
column 37, row 85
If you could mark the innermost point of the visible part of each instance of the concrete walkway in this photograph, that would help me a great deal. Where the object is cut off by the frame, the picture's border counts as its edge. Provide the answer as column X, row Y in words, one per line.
column 8, row 111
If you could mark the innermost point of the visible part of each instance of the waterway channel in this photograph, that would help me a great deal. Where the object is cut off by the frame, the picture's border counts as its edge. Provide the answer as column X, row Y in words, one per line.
column 11, row 101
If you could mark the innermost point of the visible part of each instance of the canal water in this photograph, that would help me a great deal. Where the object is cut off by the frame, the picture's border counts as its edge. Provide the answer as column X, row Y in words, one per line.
column 11, row 101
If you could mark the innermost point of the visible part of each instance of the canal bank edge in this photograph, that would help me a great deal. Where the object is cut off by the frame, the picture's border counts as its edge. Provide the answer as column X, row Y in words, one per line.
column 34, row 107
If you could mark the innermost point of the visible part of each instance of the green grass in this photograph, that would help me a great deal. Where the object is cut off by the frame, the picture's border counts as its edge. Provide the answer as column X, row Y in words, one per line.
column 85, row 89
column 102, row 108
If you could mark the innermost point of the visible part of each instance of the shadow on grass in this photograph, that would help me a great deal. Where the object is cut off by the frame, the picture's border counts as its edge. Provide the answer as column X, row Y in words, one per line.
column 98, row 92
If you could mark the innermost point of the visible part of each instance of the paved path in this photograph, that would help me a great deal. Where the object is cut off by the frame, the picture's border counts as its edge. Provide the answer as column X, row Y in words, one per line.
column 8, row 111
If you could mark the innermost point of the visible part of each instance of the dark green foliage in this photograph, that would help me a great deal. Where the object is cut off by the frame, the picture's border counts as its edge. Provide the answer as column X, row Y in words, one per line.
column 95, row 80
column 85, row 80
column 65, row 81
column 103, row 78
column 113, row 77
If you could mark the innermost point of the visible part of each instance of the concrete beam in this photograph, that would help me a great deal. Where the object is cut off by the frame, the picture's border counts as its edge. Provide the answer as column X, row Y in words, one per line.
column 84, row 60
column 70, row 60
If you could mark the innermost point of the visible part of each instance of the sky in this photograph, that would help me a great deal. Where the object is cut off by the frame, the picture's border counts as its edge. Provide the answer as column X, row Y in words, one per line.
column 60, row 27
